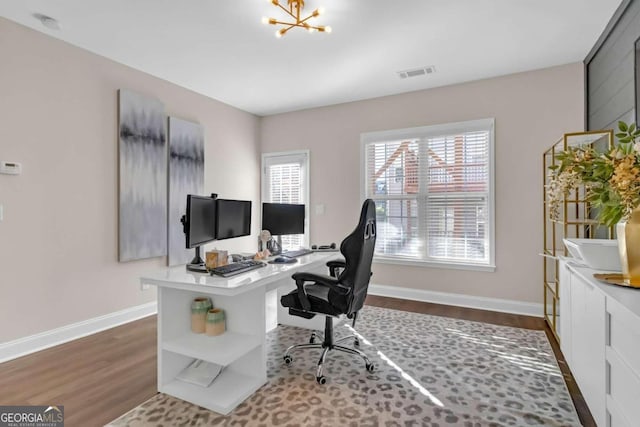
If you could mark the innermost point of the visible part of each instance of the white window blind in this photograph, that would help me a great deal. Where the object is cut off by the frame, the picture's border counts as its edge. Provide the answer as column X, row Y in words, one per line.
column 284, row 181
column 433, row 192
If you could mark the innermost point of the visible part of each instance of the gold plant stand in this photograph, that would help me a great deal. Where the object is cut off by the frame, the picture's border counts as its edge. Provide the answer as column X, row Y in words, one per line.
column 575, row 219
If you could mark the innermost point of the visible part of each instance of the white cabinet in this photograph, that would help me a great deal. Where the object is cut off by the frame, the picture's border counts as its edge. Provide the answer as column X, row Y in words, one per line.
column 600, row 338
column 587, row 344
column 623, row 364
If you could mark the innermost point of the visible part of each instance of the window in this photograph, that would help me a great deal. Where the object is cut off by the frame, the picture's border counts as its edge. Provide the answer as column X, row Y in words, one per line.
column 285, row 179
column 433, row 189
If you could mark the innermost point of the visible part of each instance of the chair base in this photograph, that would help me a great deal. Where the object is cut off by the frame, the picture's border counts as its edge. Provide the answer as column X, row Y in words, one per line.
column 327, row 345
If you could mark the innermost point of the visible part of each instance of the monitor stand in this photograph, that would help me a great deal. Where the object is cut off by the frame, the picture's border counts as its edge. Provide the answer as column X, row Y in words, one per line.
column 197, row 264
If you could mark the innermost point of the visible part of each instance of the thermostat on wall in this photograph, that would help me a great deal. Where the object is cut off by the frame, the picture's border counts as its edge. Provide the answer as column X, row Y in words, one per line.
column 10, row 168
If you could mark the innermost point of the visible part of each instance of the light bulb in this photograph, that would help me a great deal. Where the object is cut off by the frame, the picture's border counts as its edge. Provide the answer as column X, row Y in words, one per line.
column 265, row 20
column 327, row 29
column 280, row 33
column 321, row 10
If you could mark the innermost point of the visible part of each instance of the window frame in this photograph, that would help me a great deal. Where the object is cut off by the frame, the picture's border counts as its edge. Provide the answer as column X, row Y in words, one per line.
column 432, row 131
column 303, row 156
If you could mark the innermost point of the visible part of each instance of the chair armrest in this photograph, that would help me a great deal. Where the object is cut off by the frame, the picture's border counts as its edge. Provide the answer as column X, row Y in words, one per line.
column 334, row 265
column 303, row 278
column 320, row 279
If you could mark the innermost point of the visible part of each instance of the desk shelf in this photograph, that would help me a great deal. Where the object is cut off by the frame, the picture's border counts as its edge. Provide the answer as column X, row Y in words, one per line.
column 241, row 350
column 222, row 396
column 222, row 350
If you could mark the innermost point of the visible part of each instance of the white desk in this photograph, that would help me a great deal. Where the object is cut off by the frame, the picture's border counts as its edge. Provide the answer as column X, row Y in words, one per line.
column 241, row 349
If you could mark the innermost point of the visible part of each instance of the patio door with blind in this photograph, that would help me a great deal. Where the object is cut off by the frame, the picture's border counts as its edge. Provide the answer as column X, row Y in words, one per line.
column 285, row 179
column 433, row 188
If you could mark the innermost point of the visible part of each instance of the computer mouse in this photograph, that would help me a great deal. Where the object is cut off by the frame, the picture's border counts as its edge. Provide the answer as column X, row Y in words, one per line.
column 284, row 260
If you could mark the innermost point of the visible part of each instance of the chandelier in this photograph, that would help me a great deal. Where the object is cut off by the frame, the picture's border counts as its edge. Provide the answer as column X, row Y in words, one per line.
column 294, row 10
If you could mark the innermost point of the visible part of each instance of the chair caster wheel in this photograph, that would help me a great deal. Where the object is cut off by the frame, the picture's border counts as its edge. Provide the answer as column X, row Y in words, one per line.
column 321, row 380
column 371, row 367
column 356, row 342
column 312, row 340
column 288, row 359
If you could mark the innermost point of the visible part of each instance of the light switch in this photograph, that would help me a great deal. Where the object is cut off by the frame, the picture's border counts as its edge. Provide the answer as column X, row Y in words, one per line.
column 320, row 209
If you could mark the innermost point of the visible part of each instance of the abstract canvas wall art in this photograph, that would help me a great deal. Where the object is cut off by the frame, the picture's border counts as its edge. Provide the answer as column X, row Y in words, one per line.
column 142, row 152
column 186, row 176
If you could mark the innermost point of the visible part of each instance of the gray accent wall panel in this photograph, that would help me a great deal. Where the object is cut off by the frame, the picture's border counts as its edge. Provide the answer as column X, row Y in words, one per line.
column 617, row 106
column 616, row 45
column 610, row 73
column 616, row 81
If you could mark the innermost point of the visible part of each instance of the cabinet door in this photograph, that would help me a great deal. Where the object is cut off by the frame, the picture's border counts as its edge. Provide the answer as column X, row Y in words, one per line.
column 588, row 344
column 624, row 364
column 564, row 282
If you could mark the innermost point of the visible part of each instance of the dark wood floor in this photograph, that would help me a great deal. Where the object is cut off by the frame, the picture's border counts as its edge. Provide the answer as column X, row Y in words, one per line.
column 100, row 377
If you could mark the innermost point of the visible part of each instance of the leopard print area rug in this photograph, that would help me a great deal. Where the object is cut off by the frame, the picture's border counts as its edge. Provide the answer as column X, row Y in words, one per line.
column 430, row 371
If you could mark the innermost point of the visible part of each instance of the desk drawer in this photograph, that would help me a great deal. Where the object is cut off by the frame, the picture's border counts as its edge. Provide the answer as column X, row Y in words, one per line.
column 623, row 386
column 624, row 334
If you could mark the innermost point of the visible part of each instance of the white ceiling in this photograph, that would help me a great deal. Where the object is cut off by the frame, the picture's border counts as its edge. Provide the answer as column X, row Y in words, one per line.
column 222, row 50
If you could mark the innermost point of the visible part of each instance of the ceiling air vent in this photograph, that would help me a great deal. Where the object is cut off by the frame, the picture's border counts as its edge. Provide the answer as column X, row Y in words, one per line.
column 430, row 69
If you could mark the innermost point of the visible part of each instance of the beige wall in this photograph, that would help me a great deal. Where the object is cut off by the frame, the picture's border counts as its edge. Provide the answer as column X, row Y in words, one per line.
column 531, row 110
column 58, row 239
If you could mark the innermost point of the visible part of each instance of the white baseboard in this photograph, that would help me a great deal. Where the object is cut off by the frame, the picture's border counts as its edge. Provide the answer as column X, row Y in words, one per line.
column 27, row 345
column 459, row 300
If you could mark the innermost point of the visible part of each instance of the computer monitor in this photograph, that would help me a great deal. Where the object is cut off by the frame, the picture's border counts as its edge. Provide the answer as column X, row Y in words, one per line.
column 234, row 218
column 200, row 222
column 282, row 218
column 199, row 225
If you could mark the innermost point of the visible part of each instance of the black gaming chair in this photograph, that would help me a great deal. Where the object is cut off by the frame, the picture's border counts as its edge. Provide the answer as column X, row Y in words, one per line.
column 343, row 293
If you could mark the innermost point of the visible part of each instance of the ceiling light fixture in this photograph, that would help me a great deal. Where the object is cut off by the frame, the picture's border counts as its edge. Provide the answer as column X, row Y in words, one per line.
column 294, row 10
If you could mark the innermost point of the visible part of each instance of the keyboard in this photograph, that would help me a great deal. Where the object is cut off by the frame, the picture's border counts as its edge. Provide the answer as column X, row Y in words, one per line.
column 299, row 252
column 237, row 268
